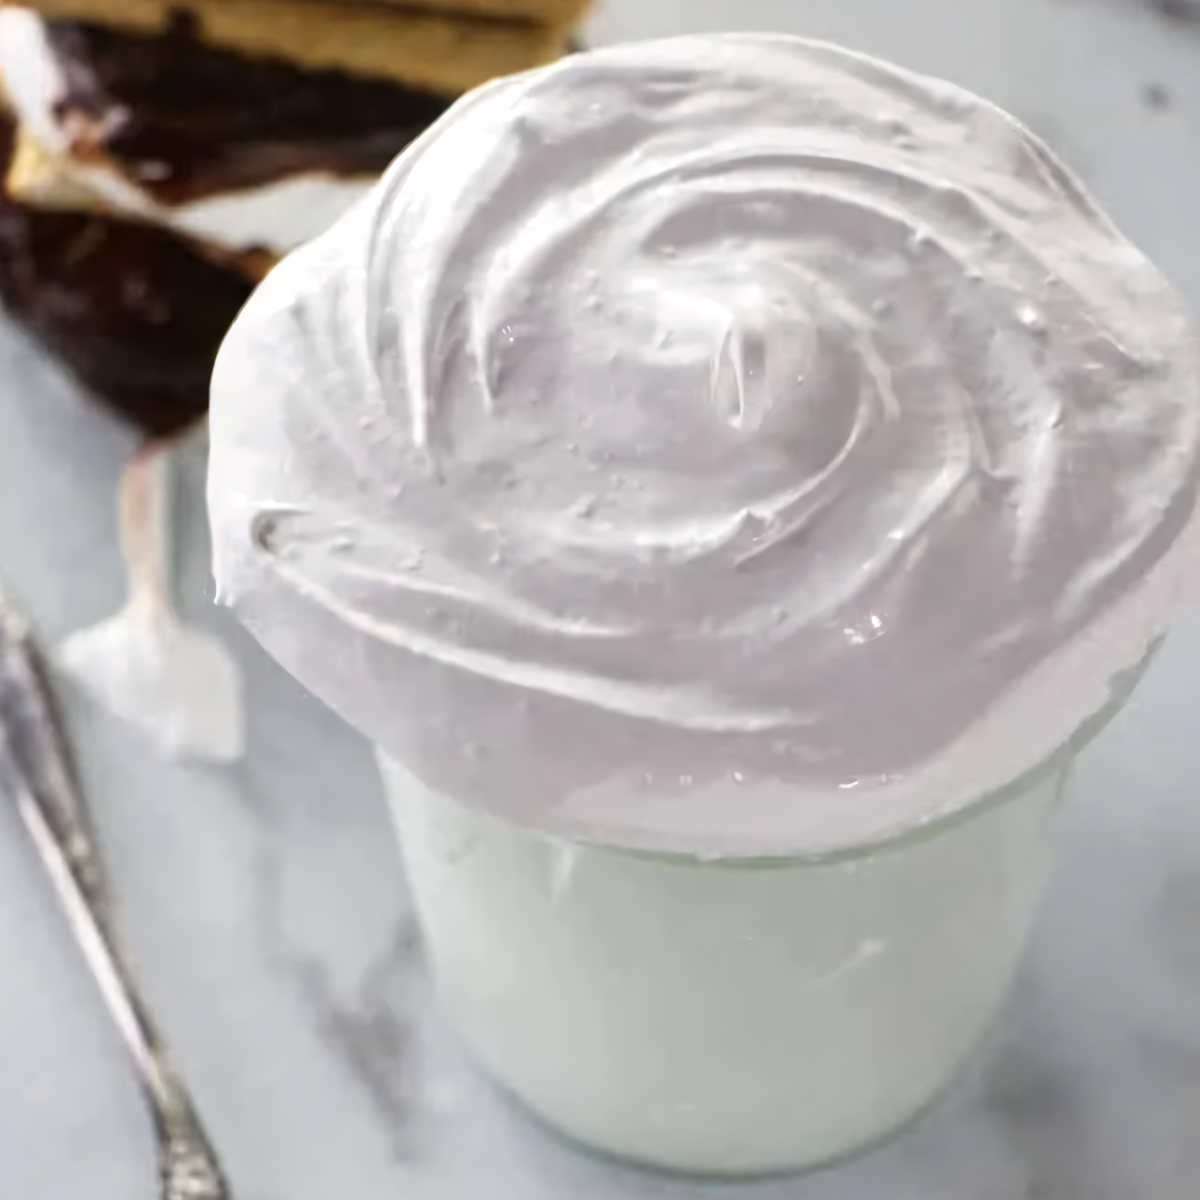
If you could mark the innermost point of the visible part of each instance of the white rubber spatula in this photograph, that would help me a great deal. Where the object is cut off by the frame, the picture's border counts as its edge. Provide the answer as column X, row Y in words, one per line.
column 177, row 683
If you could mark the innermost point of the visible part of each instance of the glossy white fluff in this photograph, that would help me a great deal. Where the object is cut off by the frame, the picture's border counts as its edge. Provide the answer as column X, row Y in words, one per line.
column 776, row 448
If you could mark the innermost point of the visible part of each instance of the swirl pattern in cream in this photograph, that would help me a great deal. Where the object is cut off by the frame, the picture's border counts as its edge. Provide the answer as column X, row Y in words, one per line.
column 725, row 444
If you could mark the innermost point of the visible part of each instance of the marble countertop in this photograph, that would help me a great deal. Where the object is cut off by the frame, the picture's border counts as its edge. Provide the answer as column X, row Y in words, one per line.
column 265, row 908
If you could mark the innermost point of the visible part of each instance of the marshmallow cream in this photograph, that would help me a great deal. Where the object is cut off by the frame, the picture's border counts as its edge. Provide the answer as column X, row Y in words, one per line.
column 732, row 445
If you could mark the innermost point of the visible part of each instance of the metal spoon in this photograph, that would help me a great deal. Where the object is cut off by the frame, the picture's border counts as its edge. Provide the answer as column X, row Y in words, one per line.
column 35, row 774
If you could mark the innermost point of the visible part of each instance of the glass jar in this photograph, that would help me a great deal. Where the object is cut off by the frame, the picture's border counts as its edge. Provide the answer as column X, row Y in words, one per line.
column 733, row 1016
column 736, row 1016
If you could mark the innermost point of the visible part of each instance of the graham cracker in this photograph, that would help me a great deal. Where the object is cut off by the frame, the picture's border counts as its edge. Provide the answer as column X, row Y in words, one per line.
column 549, row 12
column 41, row 180
column 439, row 51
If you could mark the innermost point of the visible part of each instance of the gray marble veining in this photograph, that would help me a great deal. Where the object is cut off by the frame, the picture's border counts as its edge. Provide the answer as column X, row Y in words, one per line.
column 265, row 905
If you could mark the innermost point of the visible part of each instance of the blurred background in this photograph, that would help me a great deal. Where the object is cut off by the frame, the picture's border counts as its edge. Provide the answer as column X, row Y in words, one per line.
column 262, row 901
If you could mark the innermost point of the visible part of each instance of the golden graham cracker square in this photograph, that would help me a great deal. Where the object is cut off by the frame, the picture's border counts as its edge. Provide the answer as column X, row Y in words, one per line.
column 436, row 50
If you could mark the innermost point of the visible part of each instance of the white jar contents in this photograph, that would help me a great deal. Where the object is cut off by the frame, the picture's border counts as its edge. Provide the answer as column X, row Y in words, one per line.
column 724, row 447
column 723, row 1017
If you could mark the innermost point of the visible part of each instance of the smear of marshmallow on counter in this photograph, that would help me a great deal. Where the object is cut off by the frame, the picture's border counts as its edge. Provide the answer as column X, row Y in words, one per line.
column 177, row 683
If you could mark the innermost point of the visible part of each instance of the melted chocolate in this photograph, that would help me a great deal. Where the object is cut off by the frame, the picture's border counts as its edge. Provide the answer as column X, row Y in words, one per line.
column 187, row 119
column 136, row 313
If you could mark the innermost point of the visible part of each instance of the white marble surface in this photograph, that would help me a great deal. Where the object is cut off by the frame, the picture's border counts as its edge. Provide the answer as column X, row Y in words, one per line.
column 265, row 907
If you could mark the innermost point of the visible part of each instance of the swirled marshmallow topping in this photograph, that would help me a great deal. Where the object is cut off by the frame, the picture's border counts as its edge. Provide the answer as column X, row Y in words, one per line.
column 731, row 444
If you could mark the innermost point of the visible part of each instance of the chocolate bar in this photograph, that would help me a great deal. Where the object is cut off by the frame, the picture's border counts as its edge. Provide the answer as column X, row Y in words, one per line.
column 136, row 313
column 185, row 119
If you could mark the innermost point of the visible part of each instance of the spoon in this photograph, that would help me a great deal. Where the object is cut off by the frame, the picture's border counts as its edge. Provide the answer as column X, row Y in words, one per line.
column 35, row 775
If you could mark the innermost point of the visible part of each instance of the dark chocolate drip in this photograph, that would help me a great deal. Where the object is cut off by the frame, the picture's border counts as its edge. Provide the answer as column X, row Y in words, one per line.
column 136, row 313
column 187, row 119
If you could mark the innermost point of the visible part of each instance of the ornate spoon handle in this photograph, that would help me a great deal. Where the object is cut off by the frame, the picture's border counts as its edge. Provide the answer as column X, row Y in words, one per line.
column 35, row 774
